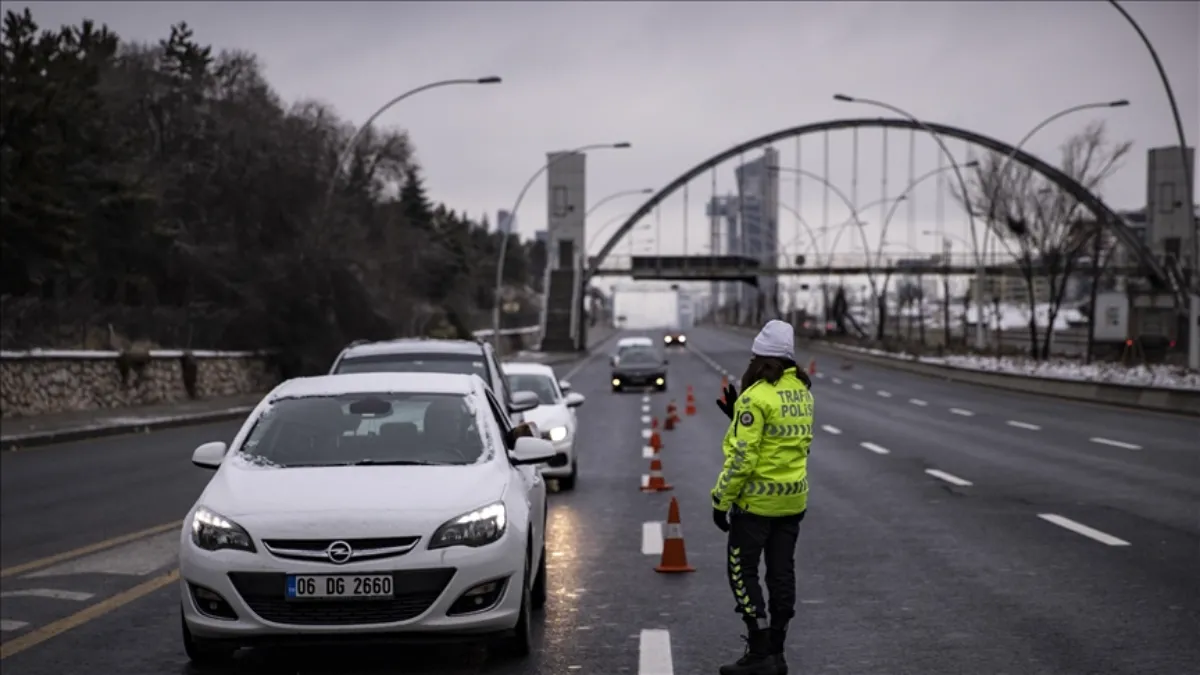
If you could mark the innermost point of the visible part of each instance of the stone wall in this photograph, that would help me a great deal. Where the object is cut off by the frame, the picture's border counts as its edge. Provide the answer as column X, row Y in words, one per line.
column 44, row 382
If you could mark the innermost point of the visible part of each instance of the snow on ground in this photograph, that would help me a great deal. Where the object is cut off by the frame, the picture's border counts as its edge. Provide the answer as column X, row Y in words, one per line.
column 1157, row 376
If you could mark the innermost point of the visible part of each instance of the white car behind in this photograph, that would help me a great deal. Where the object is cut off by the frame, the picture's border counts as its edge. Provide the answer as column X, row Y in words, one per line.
column 380, row 504
column 555, row 415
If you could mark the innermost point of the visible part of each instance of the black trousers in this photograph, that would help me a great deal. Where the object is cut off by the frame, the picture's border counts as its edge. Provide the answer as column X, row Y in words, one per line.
column 773, row 538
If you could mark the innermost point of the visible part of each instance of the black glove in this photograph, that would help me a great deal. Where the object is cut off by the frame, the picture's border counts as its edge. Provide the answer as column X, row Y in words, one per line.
column 721, row 518
column 726, row 406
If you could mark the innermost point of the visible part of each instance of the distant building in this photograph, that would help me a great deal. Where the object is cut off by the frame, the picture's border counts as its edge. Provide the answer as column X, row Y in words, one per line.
column 505, row 222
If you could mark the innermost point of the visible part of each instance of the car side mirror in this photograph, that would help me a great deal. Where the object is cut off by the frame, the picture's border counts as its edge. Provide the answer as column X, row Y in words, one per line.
column 574, row 400
column 528, row 450
column 209, row 455
column 564, row 385
column 522, row 401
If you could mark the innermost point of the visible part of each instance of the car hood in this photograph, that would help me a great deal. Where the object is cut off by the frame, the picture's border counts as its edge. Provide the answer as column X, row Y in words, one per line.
column 638, row 368
column 546, row 417
column 240, row 489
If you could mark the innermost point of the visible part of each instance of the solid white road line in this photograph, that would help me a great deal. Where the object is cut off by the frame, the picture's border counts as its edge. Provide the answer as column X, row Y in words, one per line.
column 654, row 653
column 1080, row 528
column 837, row 380
column 652, row 538
column 948, row 477
column 833, row 430
column 646, row 433
column 877, row 449
column 884, row 394
column 917, row 401
column 857, row 386
column 7, row 625
column 52, row 593
column 962, row 411
column 645, row 419
column 1115, row 444
column 1024, row 425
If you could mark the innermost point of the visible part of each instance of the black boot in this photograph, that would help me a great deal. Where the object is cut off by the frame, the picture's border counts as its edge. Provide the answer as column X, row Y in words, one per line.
column 778, row 637
column 758, row 659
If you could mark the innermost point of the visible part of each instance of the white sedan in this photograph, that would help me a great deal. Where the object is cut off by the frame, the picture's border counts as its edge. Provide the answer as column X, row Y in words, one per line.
column 554, row 416
column 367, row 504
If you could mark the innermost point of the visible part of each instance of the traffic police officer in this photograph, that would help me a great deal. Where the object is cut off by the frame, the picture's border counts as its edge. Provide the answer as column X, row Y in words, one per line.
column 762, row 492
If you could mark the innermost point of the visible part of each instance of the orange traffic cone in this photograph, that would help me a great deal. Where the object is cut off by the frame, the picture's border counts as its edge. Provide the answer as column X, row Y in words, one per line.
column 656, row 441
column 674, row 555
column 656, row 483
column 812, row 366
column 653, row 422
column 691, row 406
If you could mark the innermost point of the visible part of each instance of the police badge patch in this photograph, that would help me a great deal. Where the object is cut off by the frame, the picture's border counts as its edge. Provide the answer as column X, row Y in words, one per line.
column 746, row 419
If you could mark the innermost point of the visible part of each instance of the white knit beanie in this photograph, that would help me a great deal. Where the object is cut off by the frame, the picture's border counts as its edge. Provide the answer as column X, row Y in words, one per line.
column 776, row 339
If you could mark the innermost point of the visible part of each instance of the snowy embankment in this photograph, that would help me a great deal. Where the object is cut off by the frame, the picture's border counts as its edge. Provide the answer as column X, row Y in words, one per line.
column 1151, row 376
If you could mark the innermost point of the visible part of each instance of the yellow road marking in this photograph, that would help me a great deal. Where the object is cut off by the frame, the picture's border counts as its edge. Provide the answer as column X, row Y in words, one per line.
column 38, row 564
column 52, row 630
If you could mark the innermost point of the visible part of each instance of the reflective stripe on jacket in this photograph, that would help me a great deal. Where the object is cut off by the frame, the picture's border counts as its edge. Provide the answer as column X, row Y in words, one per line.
column 766, row 449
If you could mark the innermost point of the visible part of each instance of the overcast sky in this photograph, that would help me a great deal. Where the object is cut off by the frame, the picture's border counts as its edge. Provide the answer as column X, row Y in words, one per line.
column 683, row 81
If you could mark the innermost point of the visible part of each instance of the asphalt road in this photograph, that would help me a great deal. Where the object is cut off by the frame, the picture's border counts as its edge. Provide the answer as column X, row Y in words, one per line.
column 900, row 571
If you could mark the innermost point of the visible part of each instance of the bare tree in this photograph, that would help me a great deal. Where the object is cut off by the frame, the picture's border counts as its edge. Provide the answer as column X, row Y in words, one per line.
column 1040, row 225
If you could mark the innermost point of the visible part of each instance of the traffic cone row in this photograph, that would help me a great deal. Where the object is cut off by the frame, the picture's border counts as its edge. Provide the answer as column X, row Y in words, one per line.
column 674, row 553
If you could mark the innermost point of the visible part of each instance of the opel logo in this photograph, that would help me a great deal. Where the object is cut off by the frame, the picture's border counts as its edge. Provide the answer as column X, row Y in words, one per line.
column 339, row 552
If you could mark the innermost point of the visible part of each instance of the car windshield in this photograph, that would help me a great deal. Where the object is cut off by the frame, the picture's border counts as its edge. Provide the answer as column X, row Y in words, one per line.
column 363, row 429
column 416, row 362
column 640, row 356
column 543, row 386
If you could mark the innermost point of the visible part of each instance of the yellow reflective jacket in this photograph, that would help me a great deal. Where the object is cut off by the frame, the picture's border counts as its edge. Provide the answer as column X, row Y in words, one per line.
column 766, row 449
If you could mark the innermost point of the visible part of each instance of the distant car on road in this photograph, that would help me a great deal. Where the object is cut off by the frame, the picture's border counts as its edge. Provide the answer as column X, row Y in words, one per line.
column 323, row 522
column 554, row 416
column 640, row 367
column 675, row 339
column 627, row 343
column 421, row 355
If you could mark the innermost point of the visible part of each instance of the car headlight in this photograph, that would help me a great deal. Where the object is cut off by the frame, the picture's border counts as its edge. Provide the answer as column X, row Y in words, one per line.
column 556, row 434
column 212, row 532
column 477, row 528
column 683, row 338
column 667, row 339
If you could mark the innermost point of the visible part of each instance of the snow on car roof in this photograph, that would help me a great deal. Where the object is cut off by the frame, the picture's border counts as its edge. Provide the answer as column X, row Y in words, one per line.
column 377, row 383
column 414, row 346
column 526, row 368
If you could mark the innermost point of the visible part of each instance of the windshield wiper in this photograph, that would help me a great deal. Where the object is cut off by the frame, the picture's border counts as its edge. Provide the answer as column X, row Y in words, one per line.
column 393, row 462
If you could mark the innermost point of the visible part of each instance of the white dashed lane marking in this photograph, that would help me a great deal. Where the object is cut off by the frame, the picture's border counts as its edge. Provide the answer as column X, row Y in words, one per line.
column 645, row 419
column 1023, row 425
column 1115, row 444
column 647, row 452
column 832, row 430
column 837, row 380
column 52, row 593
column 652, row 538
column 654, row 653
column 645, row 399
column 877, row 449
column 884, row 394
column 646, row 433
column 917, row 401
column 962, row 411
column 1080, row 528
column 949, row 477
column 856, row 386
column 7, row 625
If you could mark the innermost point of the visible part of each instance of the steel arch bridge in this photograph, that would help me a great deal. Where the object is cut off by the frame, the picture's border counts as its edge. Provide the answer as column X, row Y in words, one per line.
column 1158, row 275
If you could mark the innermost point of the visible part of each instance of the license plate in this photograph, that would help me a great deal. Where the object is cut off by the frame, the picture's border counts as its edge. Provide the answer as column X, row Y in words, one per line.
column 365, row 586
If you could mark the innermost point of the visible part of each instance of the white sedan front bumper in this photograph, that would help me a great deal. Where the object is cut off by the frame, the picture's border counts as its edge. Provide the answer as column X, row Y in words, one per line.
column 427, row 584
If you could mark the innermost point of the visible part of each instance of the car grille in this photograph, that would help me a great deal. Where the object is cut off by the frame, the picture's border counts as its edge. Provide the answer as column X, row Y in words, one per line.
column 416, row 591
column 636, row 378
column 361, row 549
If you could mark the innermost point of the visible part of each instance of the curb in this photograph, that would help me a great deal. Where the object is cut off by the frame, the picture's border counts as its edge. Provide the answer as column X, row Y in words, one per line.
column 40, row 438
column 1181, row 402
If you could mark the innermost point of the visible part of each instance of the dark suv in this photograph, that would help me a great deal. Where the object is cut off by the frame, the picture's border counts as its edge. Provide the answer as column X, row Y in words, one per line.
column 420, row 355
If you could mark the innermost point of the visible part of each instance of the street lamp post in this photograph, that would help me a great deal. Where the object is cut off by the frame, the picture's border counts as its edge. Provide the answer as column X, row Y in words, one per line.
column 1188, row 200
column 513, row 217
column 337, row 169
column 980, row 335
